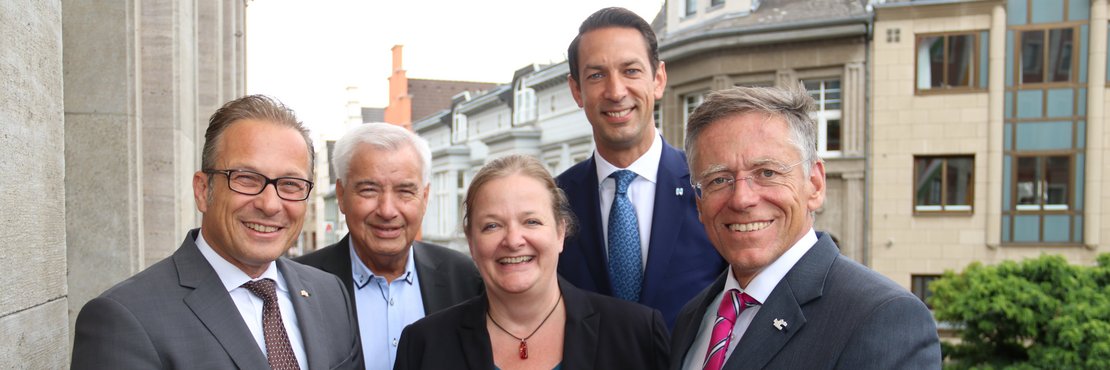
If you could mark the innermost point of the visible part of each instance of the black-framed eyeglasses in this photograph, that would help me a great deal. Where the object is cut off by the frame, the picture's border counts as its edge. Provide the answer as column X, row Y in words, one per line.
column 253, row 183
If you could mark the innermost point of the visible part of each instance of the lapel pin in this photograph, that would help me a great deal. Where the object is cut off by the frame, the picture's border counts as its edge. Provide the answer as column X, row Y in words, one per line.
column 678, row 192
column 780, row 324
column 304, row 293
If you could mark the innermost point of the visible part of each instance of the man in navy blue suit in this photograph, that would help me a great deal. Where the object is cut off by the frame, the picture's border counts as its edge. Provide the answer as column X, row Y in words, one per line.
column 657, row 252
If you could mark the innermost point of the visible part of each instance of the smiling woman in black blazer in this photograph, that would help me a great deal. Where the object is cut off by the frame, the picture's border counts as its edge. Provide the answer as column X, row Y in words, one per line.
column 516, row 220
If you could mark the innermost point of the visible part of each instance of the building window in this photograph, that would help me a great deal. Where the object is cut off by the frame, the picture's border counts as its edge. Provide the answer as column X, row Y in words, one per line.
column 525, row 110
column 1047, row 55
column 714, row 4
column 691, row 8
column 920, row 286
column 947, row 61
column 943, row 184
column 460, row 126
column 690, row 102
column 1043, row 183
column 826, row 92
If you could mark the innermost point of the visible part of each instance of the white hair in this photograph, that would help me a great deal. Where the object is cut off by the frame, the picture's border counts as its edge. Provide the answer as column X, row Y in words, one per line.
column 382, row 136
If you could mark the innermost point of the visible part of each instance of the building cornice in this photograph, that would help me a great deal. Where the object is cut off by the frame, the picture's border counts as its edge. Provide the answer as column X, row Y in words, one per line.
column 485, row 101
column 806, row 30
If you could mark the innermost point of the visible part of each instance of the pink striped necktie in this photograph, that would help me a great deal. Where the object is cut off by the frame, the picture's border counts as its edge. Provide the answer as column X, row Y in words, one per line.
column 731, row 306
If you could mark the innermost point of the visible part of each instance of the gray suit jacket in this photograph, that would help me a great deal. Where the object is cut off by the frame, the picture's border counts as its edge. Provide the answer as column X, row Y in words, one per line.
column 839, row 315
column 446, row 277
column 178, row 315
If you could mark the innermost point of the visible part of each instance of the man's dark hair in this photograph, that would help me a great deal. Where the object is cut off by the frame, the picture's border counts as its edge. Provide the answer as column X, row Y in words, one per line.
column 614, row 17
column 256, row 107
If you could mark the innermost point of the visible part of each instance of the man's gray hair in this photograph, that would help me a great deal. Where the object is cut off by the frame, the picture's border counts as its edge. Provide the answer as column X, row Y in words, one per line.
column 793, row 104
column 381, row 136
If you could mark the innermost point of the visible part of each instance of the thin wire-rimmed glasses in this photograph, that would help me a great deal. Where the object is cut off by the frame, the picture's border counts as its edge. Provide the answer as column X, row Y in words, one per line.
column 253, row 183
column 768, row 175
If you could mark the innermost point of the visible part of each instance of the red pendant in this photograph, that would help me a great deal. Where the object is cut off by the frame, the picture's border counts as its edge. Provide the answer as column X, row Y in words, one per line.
column 523, row 350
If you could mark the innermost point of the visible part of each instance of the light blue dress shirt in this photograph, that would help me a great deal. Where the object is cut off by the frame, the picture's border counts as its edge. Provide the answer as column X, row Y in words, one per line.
column 384, row 309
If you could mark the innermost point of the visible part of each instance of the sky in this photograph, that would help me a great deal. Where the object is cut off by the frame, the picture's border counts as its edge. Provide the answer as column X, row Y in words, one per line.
column 307, row 53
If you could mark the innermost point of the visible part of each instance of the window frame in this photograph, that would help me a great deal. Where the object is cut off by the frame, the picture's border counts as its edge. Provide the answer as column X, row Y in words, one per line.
column 686, row 109
column 1038, row 193
column 821, row 116
column 919, row 286
column 943, row 208
column 1046, row 29
column 973, row 64
column 689, row 10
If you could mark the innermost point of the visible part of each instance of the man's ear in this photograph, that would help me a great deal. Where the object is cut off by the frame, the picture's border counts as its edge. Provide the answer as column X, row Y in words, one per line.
column 201, row 190
column 816, row 182
column 574, row 90
column 660, row 80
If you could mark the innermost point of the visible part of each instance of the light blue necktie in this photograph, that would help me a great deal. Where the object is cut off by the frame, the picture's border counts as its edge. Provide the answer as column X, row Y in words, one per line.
column 624, row 241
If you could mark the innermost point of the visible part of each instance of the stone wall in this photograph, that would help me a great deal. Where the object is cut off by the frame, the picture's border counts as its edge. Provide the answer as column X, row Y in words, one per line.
column 33, row 329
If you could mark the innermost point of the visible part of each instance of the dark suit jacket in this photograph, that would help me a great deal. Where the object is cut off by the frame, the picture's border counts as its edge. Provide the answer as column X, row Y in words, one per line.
column 601, row 333
column 177, row 314
column 839, row 315
column 680, row 262
column 446, row 277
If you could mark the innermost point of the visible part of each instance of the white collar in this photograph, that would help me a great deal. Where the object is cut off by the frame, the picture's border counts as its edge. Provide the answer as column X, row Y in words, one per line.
column 363, row 274
column 647, row 166
column 232, row 277
column 765, row 281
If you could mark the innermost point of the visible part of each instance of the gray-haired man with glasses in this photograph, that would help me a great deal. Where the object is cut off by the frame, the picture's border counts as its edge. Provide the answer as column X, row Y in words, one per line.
column 788, row 299
column 226, row 298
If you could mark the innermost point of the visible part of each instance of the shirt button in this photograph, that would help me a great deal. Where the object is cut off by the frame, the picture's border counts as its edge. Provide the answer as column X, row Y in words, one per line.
column 394, row 342
column 391, row 301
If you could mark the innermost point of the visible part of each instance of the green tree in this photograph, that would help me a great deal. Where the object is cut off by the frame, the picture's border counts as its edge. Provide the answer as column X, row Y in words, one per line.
column 1036, row 314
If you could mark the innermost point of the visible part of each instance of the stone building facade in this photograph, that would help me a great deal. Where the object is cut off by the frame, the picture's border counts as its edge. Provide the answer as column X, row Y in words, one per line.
column 989, row 134
column 104, row 108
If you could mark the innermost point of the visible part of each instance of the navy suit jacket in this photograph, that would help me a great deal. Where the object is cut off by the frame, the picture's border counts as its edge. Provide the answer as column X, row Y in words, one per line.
column 681, row 261
column 177, row 314
column 600, row 333
column 446, row 277
column 838, row 314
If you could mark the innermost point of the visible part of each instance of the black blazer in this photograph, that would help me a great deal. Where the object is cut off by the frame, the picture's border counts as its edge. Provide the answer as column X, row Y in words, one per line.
column 446, row 277
column 601, row 333
column 839, row 315
column 680, row 262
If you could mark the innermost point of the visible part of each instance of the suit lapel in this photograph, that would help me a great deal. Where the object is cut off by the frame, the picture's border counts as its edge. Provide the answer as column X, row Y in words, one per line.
column 689, row 323
column 580, row 341
column 804, row 283
column 309, row 314
column 669, row 204
column 585, row 202
column 473, row 335
column 339, row 264
column 432, row 281
column 213, row 306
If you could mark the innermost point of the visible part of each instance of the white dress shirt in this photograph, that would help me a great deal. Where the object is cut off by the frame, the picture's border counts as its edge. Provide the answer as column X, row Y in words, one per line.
column 250, row 305
column 641, row 192
column 384, row 309
column 759, row 288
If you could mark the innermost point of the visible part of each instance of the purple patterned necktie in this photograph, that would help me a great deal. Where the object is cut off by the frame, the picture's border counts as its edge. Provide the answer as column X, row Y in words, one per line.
column 278, row 350
column 624, row 241
column 731, row 306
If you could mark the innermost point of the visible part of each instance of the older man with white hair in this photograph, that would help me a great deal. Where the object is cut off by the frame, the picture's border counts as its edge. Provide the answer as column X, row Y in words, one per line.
column 382, row 187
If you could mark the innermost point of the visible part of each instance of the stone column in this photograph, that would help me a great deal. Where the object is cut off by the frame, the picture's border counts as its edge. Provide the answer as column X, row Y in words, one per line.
column 141, row 78
column 1096, row 105
column 995, row 112
column 33, row 330
column 104, row 181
